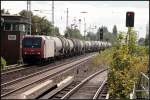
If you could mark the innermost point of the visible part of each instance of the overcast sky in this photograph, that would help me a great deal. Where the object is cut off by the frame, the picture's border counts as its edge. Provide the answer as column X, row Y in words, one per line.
column 106, row 13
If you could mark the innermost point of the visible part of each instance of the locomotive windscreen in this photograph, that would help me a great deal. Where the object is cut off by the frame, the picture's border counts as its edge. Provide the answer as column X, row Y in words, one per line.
column 31, row 42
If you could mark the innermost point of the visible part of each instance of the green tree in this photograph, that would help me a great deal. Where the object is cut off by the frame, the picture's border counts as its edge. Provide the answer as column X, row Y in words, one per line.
column 105, row 29
column 3, row 63
column 91, row 36
column 24, row 13
column 147, row 40
column 128, row 61
column 40, row 25
column 73, row 33
column 107, row 36
column 147, row 35
column 68, row 32
column 36, row 20
column 46, row 27
column 56, row 30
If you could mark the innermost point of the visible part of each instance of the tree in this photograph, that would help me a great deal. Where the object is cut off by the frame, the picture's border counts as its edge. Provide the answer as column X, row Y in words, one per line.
column 91, row 36
column 128, row 60
column 35, row 24
column 40, row 25
column 5, row 12
column 24, row 13
column 73, row 33
column 2, row 11
column 56, row 31
column 107, row 36
column 114, row 32
column 147, row 35
column 98, row 34
column 68, row 32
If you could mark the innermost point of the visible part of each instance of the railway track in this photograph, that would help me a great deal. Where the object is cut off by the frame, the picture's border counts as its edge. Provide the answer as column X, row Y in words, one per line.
column 35, row 79
column 84, row 89
column 16, row 73
column 101, row 93
column 10, row 69
column 87, row 89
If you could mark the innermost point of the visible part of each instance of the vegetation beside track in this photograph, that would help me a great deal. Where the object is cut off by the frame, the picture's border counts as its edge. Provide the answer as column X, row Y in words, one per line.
column 128, row 60
column 102, row 59
column 3, row 63
column 125, row 61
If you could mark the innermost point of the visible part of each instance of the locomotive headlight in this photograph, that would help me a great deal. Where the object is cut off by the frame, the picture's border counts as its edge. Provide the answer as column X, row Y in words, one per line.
column 38, row 53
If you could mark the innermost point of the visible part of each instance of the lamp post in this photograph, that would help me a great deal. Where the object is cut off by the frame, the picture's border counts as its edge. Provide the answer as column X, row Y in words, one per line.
column 84, row 24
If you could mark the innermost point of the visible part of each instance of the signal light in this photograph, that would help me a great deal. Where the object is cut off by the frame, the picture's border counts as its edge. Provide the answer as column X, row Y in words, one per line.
column 101, row 34
column 130, row 19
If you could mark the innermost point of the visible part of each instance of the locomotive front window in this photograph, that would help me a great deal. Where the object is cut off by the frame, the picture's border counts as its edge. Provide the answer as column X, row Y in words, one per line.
column 32, row 42
column 37, row 42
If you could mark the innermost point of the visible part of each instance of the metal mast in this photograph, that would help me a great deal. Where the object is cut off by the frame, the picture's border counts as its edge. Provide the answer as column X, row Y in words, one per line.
column 29, row 15
column 67, row 19
column 84, row 28
column 53, row 17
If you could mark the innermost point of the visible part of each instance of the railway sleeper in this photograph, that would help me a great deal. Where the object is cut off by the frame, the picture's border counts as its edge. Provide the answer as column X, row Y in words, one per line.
column 60, row 87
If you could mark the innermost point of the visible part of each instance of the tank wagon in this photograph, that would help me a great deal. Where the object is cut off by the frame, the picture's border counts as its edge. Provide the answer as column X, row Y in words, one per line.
column 71, row 47
column 42, row 48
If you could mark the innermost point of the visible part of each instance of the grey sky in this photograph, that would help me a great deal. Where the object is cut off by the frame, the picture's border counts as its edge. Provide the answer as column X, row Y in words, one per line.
column 100, row 13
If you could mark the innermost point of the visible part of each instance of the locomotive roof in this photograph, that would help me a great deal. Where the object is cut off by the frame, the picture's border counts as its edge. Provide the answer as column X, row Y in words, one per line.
column 42, row 36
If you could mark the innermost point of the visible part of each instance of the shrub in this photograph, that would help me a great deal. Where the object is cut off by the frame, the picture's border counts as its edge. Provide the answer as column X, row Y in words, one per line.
column 3, row 62
column 128, row 61
column 103, row 59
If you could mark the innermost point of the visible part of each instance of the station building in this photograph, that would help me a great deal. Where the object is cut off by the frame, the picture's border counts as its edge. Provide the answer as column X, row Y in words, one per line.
column 13, row 28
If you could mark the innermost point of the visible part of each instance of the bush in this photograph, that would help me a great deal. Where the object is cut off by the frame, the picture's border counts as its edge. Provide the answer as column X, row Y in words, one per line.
column 103, row 59
column 128, row 61
column 120, row 83
column 3, row 63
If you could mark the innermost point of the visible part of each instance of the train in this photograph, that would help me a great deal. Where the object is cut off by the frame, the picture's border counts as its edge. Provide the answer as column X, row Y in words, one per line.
column 40, row 48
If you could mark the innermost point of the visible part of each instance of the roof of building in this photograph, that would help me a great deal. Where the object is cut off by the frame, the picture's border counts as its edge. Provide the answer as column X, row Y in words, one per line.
column 15, row 19
column 15, row 15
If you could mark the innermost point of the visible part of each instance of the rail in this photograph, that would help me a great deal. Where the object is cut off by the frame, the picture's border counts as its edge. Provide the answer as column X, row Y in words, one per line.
column 99, row 89
column 46, row 75
column 66, row 96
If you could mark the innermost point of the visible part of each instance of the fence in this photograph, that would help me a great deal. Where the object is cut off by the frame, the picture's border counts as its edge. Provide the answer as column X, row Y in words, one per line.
column 142, row 91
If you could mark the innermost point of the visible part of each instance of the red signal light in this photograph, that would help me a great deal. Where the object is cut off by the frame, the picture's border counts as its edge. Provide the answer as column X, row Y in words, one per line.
column 130, row 19
column 130, row 13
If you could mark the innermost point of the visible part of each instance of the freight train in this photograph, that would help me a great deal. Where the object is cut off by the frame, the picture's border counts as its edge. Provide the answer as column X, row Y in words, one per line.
column 40, row 48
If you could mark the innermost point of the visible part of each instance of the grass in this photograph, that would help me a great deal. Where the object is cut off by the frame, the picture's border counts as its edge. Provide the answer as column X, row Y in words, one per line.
column 102, row 59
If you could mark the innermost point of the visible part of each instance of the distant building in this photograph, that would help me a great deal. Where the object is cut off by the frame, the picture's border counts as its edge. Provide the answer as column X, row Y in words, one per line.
column 141, row 41
column 13, row 28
